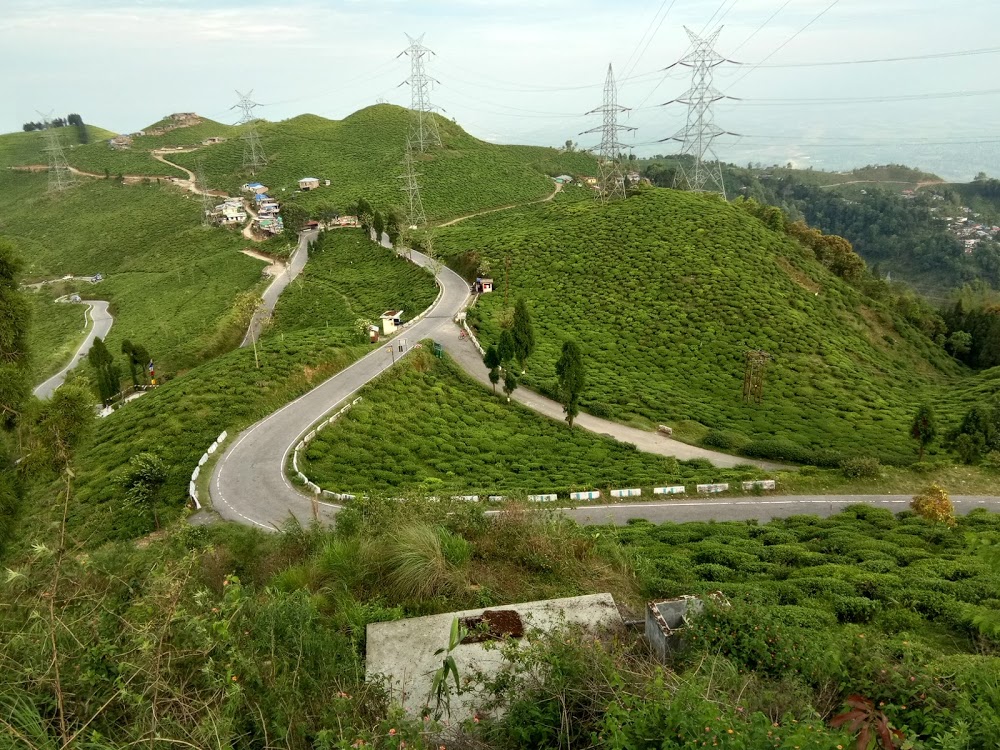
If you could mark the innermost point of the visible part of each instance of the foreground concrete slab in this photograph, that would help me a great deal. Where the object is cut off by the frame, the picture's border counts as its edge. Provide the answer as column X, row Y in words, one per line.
column 402, row 652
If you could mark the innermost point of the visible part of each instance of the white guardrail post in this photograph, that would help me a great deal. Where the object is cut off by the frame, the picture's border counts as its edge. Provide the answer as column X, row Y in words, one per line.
column 193, row 484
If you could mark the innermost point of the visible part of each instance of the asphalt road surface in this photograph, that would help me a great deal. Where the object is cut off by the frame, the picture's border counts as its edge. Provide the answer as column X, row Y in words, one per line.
column 101, row 323
column 270, row 297
column 249, row 484
column 756, row 508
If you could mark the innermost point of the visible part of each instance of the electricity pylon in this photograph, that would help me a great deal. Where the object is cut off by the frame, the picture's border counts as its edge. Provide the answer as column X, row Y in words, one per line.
column 424, row 133
column 700, row 129
column 61, row 177
column 611, row 181
column 253, row 153
column 415, row 215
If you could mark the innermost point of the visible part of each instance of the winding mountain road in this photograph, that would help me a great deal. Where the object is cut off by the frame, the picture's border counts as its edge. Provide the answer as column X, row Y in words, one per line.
column 270, row 297
column 101, row 322
column 249, row 483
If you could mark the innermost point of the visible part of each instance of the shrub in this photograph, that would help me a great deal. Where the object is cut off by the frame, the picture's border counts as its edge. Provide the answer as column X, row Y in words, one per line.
column 934, row 505
column 861, row 467
column 854, row 608
column 725, row 439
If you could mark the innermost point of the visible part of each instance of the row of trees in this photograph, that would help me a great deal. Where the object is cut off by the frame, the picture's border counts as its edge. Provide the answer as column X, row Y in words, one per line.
column 517, row 344
column 73, row 120
column 108, row 373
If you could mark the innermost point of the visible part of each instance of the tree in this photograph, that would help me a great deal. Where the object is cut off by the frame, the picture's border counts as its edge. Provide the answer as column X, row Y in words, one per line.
column 509, row 382
column 923, row 429
column 141, row 482
column 570, row 371
column 523, row 332
column 295, row 217
column 492, row 361
column 378, row 224
column 394, row 225
column 137, row 358
column 15, row 384
column 108, row 375
column 959, row 342
column 507, row 348
column 14, row 319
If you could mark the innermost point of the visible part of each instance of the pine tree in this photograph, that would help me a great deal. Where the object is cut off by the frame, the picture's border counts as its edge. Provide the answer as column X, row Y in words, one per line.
column 492, row 361
column 923, row 429
column 108, row 375
column 570, row 371
column 523, row 332
column 509, row 382
column 506, row 348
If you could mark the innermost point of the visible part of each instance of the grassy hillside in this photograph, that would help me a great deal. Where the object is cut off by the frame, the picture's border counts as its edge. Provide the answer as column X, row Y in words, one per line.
column 180, row 419
column 861, row 603
column 171, row 281
column 349, row 277
column 666, row 291
column 57, row 330
column 361, row 156
column 426, row 427
column 19, row 149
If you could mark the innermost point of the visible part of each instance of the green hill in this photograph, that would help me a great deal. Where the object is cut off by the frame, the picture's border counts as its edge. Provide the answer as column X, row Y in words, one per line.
column 667, row 291
column 171, row 281
column 361, row 156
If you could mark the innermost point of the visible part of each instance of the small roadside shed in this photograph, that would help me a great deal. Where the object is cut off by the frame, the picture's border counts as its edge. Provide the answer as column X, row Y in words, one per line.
column 308, row 183
column 390, row 321
column 484, row 285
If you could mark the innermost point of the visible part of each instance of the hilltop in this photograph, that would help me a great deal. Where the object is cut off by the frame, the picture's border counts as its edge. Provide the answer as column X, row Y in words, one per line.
column 361, row 156
column 667, row 291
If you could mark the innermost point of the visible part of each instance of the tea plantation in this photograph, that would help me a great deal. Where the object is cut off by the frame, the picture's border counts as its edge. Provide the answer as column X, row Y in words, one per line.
column 349, row 275
column 895, row 608
column 426, row 427
column 56, row 331
column 350, row 278
column 172, row 282
column 361, row 155
column 665, row 292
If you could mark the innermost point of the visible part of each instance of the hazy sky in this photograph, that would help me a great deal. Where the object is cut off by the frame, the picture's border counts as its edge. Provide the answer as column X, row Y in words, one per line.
column 525, row 70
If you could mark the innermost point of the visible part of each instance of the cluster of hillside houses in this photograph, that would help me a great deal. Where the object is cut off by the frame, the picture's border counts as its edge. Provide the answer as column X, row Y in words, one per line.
column 631, row 178
column 268, row 220
column 968, row 230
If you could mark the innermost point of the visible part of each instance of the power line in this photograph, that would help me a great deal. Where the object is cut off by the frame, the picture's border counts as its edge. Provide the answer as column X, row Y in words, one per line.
column 865, row 99
column 788, row 41
column 628, row 70
column 761, row 27
column 908, row 58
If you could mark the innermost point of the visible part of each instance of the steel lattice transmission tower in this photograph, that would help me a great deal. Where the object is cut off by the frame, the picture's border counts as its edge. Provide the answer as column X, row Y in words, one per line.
column 253, row 153
column 415, row 215
column 700, row 129
column 61, row 177
column 424, row 132
column 611, row 180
